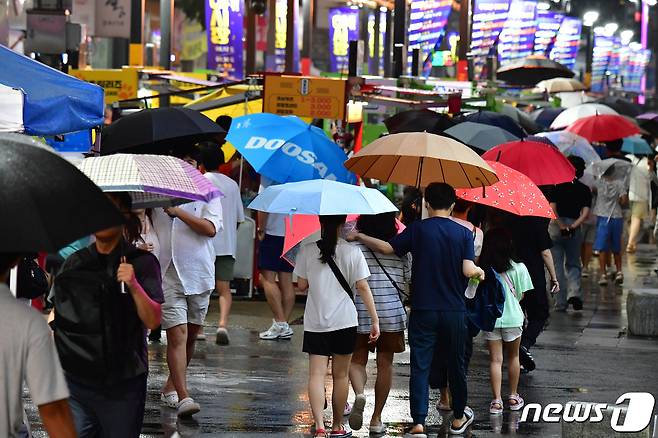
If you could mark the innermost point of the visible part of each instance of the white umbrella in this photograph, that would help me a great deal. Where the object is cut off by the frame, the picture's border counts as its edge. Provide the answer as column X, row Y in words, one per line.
column 570, row 99
column 576, row 113
column 572, row 144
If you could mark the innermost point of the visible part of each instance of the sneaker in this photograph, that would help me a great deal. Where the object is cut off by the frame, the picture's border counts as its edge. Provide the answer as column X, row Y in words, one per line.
column 201, row 336
column 347, row 410
column 356, row 416
column 585, row 274
column 378, row 429
column 222, row 336
column 576, row 303
column 603, row 281
column 188, row 407
column 277, row 331
column 169, row 399
column 619, row 278
column 526, row 359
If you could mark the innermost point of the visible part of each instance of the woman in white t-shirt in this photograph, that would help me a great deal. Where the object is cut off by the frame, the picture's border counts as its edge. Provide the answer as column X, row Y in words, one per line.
column 330, row 317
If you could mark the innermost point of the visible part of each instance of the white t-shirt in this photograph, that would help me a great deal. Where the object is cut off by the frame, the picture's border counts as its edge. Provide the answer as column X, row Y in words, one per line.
column 27, row 354
column 275, row 224
column 193, row 254
column 328, row 307
column 226, row 241
column 479, row 235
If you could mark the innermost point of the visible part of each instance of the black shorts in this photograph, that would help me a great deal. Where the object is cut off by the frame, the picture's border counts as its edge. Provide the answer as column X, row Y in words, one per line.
column 330, row 343
column 269, row 255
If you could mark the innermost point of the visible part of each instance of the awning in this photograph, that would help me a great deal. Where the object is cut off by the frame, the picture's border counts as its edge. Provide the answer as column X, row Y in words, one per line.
column 54, row 102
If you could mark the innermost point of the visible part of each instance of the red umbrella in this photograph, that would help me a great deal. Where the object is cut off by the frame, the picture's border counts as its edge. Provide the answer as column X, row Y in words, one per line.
column 543, row 164
column 604, row 127
column 514, row 193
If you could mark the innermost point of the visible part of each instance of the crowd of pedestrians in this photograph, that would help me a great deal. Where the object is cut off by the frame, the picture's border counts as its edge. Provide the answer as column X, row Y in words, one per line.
column 364, row 289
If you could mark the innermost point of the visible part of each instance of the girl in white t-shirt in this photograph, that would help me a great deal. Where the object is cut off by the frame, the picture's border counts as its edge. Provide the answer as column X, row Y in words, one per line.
column 330, row 317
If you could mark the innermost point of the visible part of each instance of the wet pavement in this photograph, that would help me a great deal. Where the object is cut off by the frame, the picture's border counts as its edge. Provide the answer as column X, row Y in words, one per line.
column 258, row 388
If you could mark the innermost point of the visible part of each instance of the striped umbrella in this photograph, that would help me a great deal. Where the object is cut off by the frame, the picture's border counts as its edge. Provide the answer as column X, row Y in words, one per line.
column 152, row 180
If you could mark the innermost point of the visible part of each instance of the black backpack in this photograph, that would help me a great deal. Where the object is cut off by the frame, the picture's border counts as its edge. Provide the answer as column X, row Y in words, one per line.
column 487, row 306
column 98, row 334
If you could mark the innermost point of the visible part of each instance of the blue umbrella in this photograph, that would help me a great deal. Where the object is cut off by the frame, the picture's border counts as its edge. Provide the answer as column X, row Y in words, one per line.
column 322, row 197
column 545, row 116
column 636, row 146
column 286, row 149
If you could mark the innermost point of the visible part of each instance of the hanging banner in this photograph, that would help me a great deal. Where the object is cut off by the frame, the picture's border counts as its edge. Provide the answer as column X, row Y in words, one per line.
column 427, row 23
column 321, row 98
column 280, row 35
column 374, row 69
column 517, row 40
column 489, row 17
column 225, row 28
column 548, row 25
column 343, row 28
column 112, row 19
column 567, row 41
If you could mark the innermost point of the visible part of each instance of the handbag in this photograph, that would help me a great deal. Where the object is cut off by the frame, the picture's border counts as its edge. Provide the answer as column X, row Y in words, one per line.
column 32, row 280
column 339, row 275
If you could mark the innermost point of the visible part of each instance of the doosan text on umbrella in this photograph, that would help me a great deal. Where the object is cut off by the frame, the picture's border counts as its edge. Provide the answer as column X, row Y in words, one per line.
column 292, row 150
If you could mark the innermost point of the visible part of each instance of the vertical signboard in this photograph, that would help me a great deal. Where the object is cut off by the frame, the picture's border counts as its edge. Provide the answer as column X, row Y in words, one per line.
column 224, row 25
column 280, row 34
column 517, row 40
column 633, row 63
column 112, row 19
column 548, row 25
column 343, row 28
column 567, row 41
column 489, row 17
column 600, row 60
column 427, row 23
column 376, row 69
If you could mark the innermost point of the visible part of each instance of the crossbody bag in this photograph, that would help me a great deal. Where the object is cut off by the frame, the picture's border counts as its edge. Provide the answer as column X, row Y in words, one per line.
column 404, row 296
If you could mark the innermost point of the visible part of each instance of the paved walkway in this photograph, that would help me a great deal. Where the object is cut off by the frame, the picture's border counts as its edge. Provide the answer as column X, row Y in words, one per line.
column 257, row 388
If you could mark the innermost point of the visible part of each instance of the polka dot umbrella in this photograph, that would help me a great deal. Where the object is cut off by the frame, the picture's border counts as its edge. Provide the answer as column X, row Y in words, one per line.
column 514, row 193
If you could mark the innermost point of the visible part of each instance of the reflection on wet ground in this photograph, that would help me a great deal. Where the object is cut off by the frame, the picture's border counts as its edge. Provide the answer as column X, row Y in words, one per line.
column 258, row 388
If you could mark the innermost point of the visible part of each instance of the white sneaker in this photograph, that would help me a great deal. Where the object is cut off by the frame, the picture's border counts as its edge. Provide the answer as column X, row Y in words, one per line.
column 169, row 399
column 222, row 336
column 188, row 407
column 277, row 331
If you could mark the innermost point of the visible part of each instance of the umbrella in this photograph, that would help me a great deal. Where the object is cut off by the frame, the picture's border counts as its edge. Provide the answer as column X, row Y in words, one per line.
column 514, row 193
column 601, row 128
column 158, row 131
column 418, row 159
column 649, row 122
column 522, row 119
column 493, row 119
column 637, row 146
column 151, row 180
column 572, row 115
column 543, row 164
column 570, row 99
column 321, row 197
column 418, row 121
column 622, row 106
column 545, row 116
column 557, row 85
column 286, row 149
column 532, row 70
column 571, row 144
column 622, row 168
column 480, row 136
column 46, row 202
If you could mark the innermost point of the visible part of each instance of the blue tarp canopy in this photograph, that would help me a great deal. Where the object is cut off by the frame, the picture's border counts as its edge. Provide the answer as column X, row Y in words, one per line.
column 54, row 102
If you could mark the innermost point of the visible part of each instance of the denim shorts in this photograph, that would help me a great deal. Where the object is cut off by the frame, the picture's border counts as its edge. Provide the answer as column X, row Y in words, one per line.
column 608, row 234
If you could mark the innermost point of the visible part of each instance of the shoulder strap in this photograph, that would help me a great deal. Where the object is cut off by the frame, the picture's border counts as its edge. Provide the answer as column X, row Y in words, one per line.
column 509, row 283
column 339, row 275
column 381, row 266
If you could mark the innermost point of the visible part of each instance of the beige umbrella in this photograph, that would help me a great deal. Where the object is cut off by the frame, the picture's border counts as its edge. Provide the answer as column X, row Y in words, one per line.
column 557, row 85
column 418, row 159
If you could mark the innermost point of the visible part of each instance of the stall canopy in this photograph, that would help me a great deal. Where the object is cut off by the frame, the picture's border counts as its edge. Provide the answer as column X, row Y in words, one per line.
column 53, row 102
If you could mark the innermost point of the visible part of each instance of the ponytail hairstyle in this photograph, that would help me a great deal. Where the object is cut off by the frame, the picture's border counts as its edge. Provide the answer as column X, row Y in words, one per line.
column 329, row 235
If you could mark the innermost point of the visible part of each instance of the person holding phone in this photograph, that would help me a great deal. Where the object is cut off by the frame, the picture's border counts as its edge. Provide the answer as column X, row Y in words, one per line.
column 330, row 269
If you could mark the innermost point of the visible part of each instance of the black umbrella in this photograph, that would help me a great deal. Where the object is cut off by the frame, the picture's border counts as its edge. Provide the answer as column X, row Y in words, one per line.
column 418, row 121
column 622, row 106
column 46, row 202
column 532, row 70
column 649, row 122
column 545, row 116
column 493, row 119
column 158, row 131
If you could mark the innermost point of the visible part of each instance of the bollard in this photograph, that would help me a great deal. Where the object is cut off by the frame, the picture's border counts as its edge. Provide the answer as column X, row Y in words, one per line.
column 642, row 311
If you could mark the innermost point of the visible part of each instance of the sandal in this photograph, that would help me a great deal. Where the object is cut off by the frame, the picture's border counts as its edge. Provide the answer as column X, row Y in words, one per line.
column 320, row 433
column 518, row 402
column 496, row 407
column 630, row 249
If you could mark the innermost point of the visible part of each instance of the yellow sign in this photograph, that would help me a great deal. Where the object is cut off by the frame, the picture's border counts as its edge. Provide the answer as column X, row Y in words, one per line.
column 303, row 96
column 118, row 84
